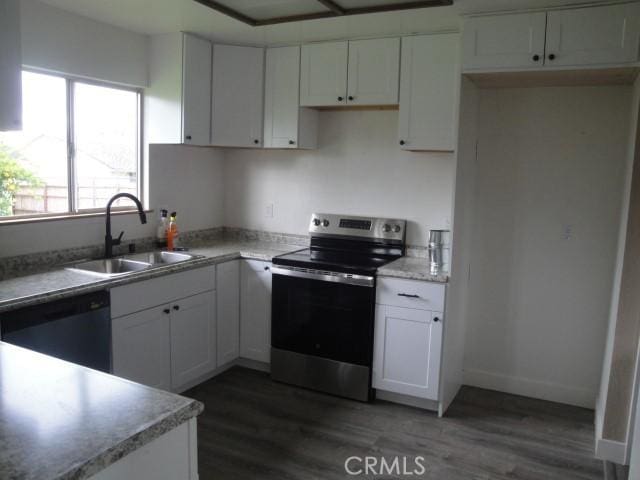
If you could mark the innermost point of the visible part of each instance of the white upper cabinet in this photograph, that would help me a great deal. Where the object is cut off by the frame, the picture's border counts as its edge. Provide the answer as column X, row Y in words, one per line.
column 286, row 124
column 361, row 72
column 504, row 41
column 429, row 92
column 374, row 72
column 10, row 66
column 196, row 90
column 597, row 35
column 323, row 75
column 237, row 96
column 177, row 102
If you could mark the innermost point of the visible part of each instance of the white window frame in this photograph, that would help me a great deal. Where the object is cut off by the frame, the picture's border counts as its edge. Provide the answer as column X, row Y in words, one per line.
column 72, row 208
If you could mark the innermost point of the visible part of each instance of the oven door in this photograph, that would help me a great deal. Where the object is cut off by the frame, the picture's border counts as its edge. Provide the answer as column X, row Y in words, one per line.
column 323, row 315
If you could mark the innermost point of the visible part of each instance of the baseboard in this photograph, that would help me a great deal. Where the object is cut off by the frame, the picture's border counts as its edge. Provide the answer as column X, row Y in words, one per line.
column 612, row 451
column 407, row 400
column 553, row 392
column 253, row 364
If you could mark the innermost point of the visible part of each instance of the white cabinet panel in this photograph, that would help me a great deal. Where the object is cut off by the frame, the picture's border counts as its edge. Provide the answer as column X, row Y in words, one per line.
column 429, row 87
column 10, row 66
column 597, row 35
column 407, row 348
column 504, row 41
column 237, row 96
column 374, row 72
column 228, row 308
column 323, row 75
column 255, row 310
column 193, row 338
column 410, row 293
column 196, row 90
column 150, row 293
column 286, row 125
column 141, row 344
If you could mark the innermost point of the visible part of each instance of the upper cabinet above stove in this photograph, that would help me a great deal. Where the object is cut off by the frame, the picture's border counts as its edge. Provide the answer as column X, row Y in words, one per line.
column 354, row 73
column 591, row 36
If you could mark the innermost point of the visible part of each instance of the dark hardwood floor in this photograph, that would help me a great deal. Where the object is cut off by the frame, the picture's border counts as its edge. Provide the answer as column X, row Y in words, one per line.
column 253, row 428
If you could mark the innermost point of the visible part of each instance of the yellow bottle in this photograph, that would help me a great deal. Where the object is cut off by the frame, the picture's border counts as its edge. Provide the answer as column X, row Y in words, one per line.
column 172, row 233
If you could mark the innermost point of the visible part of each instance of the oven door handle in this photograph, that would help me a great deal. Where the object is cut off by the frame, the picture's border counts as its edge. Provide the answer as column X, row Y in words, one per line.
column 325, row 276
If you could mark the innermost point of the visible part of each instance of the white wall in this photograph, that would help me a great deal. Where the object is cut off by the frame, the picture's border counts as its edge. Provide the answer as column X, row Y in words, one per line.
column 59, row 41
column 186, row 179
column 358, row 168
column 549, row 159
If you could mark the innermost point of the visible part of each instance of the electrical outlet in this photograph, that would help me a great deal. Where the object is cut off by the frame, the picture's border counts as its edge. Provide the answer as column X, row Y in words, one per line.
column 268, row 210
column 568, row 232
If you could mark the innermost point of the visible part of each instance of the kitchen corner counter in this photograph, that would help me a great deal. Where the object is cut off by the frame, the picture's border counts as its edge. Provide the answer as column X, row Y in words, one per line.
column 412, row 268
column 62, row 421
column 60, row 283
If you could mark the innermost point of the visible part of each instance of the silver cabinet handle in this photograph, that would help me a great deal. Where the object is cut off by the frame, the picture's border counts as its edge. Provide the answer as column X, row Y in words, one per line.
column 408, row 295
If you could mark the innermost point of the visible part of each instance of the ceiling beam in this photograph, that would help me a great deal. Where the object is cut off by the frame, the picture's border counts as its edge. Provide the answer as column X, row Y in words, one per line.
column 399, row 6
column 333, row 6
column 335, row 10
column 227, row 11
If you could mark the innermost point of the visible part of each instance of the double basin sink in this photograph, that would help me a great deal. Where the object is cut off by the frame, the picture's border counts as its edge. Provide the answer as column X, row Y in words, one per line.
column 117, row 267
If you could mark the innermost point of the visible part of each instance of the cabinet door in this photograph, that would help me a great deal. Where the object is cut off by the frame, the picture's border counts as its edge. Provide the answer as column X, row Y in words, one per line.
column 323, row 74
column 374, row 72
column 589, row 36
column 429, row 92
column 255, row 310
column 10, row 66
column 237, row 96
column 504, row 42
column 196, row 90
column 193, row 338
column 407, row 348
column 141, row 344
column 228, row 308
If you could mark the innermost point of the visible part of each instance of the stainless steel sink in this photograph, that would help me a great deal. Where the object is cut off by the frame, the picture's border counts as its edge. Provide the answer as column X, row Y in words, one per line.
column 110, row 267
column 161, row 258
column 116, row 267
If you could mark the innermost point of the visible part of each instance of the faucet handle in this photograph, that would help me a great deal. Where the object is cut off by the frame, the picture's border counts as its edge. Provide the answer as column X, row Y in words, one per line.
column 118, row 240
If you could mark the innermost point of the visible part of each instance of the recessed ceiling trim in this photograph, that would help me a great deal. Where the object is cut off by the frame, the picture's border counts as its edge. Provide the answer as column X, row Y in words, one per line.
column 334, row 10
column 227, row 11
column 333, row 6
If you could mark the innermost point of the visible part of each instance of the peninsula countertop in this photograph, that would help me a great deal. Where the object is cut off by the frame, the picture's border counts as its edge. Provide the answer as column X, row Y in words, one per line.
column 61, row 421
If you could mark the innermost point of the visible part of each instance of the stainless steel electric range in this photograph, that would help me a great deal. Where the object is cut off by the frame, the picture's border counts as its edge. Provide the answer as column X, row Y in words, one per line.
column 323, row 303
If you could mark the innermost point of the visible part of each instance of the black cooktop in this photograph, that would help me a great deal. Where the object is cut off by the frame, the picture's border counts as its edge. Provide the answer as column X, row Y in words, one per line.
column 335, row 261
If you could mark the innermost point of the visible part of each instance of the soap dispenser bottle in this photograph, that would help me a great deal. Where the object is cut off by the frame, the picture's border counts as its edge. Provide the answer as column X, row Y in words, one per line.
column 161, row 233
column 172, row 233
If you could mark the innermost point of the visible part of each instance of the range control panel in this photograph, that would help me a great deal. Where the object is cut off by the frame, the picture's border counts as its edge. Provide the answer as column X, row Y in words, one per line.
column 349, row 226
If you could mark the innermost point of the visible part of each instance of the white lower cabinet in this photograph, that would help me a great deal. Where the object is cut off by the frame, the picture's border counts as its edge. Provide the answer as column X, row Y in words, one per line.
column 171, row 343
column 193, row 338
column 228, row 307
column 255, row 310
column 141, row 342
column 408, row 341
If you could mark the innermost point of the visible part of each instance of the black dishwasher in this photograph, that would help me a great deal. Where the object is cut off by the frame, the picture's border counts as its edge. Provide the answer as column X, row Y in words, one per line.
column 76, row 329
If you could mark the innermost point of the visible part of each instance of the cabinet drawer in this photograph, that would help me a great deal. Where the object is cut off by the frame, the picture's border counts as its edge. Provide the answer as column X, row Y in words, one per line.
column 157, row 291
column 410, row 294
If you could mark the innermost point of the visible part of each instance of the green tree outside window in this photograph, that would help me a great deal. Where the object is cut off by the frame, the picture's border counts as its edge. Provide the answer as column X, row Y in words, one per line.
column 13, row 176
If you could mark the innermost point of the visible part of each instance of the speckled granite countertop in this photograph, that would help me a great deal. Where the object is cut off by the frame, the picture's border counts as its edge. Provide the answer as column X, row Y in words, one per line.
column 62, row 421
column 412, row 268
column 60, row 283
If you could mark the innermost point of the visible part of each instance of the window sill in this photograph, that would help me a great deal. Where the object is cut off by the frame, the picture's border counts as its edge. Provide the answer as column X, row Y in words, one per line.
column 65, row 216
